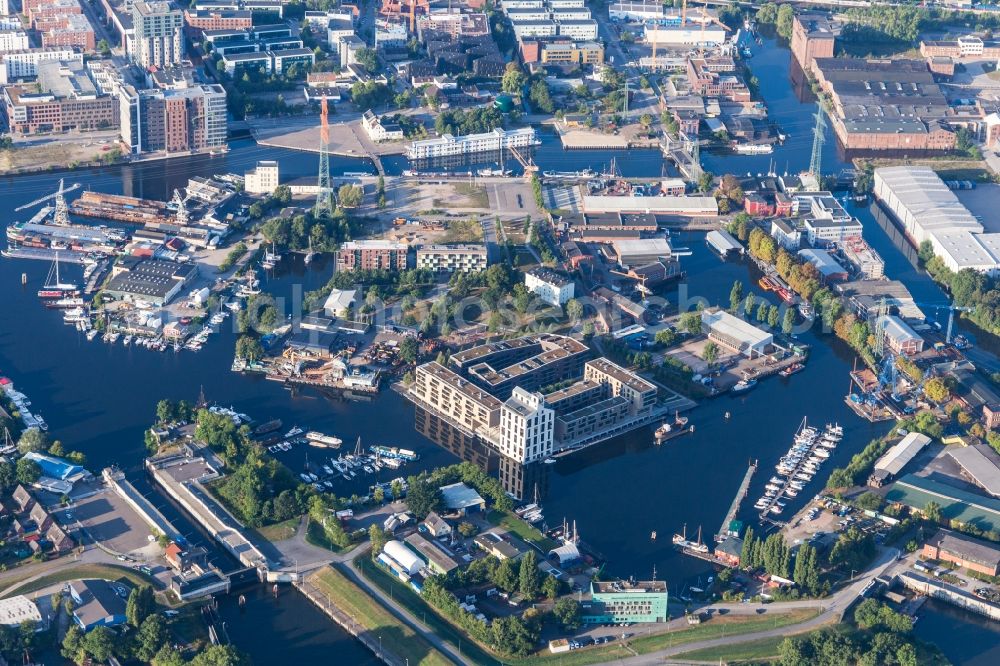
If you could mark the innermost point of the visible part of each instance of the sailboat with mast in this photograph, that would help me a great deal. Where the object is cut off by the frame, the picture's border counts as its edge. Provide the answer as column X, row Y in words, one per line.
column 54, row 287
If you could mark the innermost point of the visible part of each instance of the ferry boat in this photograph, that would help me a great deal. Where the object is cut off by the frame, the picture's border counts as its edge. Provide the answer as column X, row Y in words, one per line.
column 792, row 369
column 753, row 149
column 393, row 452
column 320, row 440
column 744, row 385
column 585, row 173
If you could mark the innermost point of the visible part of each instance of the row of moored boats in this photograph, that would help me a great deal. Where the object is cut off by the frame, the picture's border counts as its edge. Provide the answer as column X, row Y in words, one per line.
column 810, row 449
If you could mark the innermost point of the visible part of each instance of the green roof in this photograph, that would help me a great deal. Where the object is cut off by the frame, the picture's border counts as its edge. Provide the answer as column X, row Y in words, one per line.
column 956, row 504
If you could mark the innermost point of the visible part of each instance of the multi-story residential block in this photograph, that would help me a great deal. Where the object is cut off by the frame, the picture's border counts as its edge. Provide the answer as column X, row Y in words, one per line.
column 569, row 53
column 66, row 98
column 527, row 427
column 24, row 63
column 452, row 258
column 455, row 398
column 549, row 286
column 35, row 10
column 13, row 40
column 71, row 30
column 373, row 255
column 531, row 362
column 157, row 34
column 349, row 47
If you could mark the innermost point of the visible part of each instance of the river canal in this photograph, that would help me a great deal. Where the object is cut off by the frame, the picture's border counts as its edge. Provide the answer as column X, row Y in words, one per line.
column 99, row 398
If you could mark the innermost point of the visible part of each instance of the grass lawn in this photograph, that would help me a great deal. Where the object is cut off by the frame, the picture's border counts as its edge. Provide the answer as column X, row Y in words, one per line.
column 719, row 626
column 523, row 530
column 463, row 231
column 476, row 194
column 280, row 531
column 397, row 638
column 759, row 649
column 413, row 602
column 104, row 571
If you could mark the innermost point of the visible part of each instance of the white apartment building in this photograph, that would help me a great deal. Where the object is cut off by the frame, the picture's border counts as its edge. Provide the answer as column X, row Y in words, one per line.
column 13, row 40
column 452, row 258
column 24, row 63
column 380, row 129
column 551, row 287
column 527, row 427
column 535, row 28
column 158, row 34
column 571, row 14
column 448, row 145
column 262, row 179
column 5, row 7
column 579, row 31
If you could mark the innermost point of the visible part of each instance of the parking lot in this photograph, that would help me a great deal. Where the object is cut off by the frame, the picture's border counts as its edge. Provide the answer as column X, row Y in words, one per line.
column 109, row 520
column 822, row 520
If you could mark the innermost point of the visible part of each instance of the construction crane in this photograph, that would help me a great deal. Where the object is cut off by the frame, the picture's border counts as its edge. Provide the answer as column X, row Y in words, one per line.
column 952, row 309
column 60, row 192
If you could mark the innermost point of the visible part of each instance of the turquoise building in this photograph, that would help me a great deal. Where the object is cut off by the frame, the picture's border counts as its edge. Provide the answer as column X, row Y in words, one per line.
column 624, row 601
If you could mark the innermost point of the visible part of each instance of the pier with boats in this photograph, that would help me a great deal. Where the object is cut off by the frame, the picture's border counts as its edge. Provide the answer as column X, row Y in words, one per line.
column 810, row 448
column 734, row 508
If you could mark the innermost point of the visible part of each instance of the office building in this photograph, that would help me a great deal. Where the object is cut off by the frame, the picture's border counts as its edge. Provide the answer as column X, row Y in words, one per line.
column 447, row 145
column 527, row 426
column 464, row 258
column 369, row 255
column 967, row 46
column 262, row 179
column 617, row 602
column 173, row 120
column 158, row 38
column 63, row 98
column 964, row 552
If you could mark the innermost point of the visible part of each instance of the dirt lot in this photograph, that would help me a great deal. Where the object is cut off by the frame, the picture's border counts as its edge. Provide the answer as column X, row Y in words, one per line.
column 50, row 155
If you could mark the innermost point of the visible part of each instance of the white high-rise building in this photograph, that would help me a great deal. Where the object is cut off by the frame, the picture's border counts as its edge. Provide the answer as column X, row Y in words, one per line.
column 527, row 426
column 158, row 34
column 13, row 40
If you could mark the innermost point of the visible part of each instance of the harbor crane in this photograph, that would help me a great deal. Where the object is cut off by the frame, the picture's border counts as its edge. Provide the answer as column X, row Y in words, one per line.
column 60, row 192
column 952, row 309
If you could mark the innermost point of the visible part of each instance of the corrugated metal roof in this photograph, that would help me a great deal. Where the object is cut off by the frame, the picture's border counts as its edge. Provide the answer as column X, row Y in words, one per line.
column 896, row 458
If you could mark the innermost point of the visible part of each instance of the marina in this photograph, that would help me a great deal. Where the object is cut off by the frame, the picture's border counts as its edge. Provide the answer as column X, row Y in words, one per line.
column 810, row 448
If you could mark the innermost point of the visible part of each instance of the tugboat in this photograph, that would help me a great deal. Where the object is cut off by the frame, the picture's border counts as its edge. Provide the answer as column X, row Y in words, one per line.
column 792, row 369
column 670, row 430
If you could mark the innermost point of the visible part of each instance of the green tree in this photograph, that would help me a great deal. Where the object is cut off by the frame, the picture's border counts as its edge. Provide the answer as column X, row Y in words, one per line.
column 8, row 476
column 710, row 353
column 367, row 58
column 567, row 612
column 736, row 295
column 422, row 496
column 506, row 576
column 152, row 635
column 705, row 181
column 409, row 349
column 936, row 389
column 528, row 575
column 104, row 48
column 27, row 471
column 748, row 304
column 378, row 538
column 513, row 79
column 140, row 605
column 249, row 348
column 665, row 337
column 773, row 314
column 932, row 512
column 99, row 643
column 784, row 19
column 349, row 196
column 691, row 322
column 32, row 439
column 551, row 587
column 167, row 656
column 788, row 322
column 574, row 309
column 220, row 655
